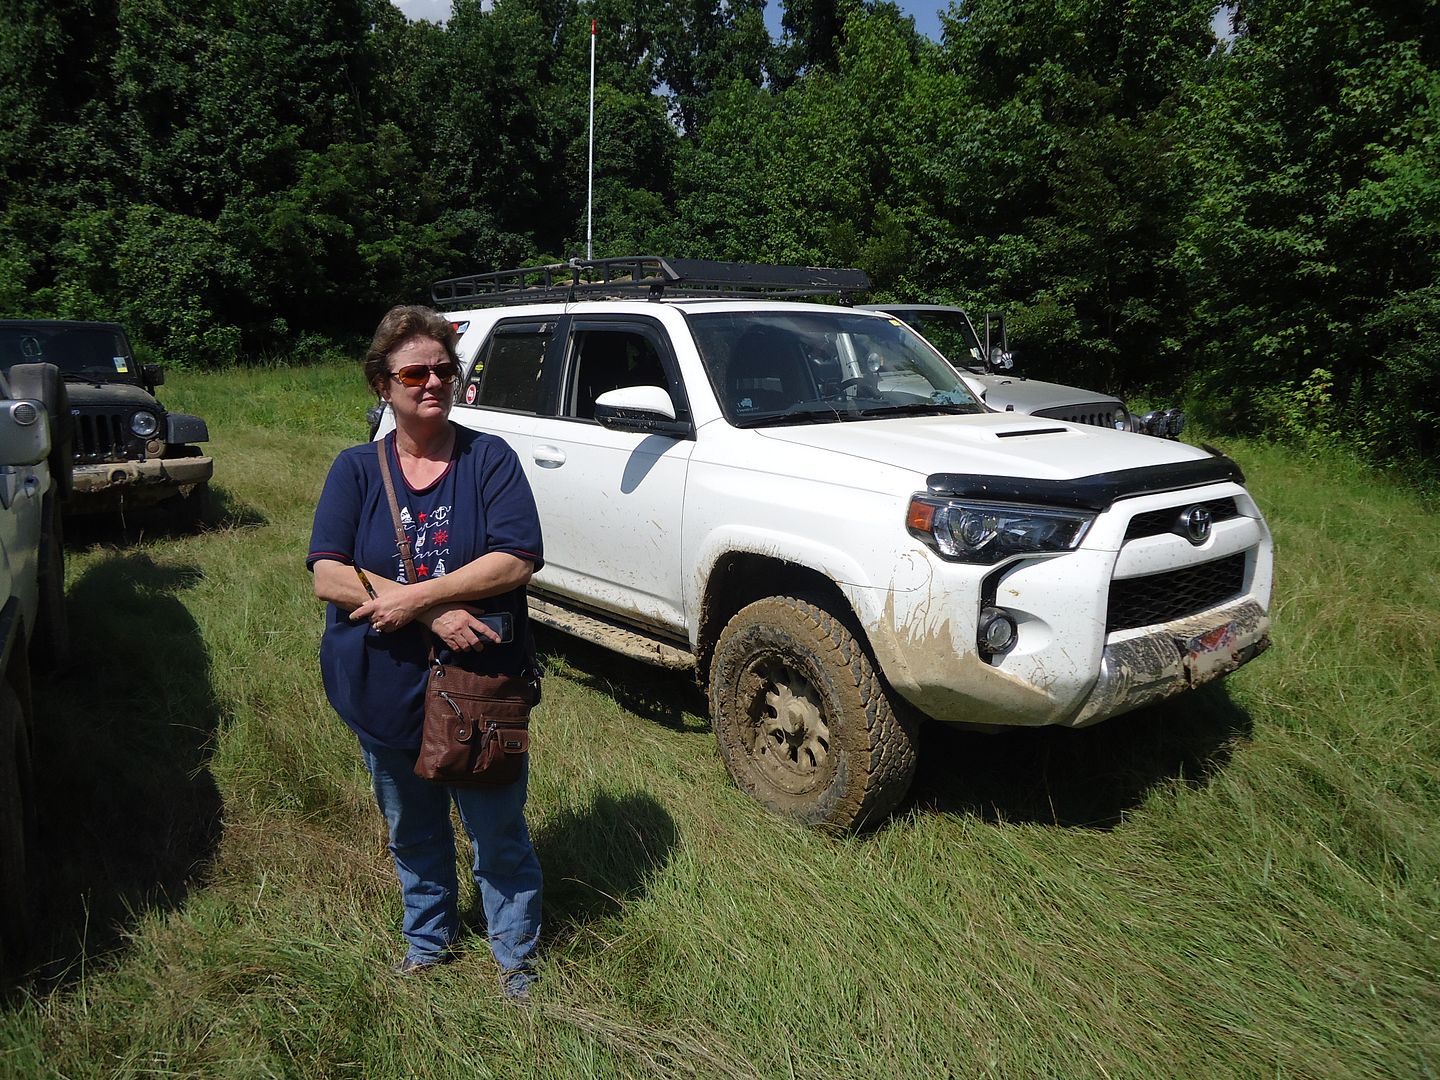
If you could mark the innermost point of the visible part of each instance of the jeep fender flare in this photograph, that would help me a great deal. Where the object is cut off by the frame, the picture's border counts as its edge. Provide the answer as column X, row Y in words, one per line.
column 42, row 383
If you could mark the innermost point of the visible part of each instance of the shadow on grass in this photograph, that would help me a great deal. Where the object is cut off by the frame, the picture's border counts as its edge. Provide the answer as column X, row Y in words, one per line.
column 598, row 858
column 667, row 697
column 128, row 814
column 215, row 508
column 1088, row 778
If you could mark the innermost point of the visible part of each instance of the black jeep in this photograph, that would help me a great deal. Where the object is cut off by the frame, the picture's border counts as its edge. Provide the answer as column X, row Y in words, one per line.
column 129, row 452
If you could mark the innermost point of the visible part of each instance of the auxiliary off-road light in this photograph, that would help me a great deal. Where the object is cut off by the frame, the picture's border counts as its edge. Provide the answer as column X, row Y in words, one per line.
column 144, row 424
column 996, row 631
column 988, row 533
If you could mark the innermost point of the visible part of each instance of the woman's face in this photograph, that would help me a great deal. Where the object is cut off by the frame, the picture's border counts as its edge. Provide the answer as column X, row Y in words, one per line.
column 429, row 402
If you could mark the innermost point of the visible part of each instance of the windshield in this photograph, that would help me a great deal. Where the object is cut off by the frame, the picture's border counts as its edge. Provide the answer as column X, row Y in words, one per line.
column 806, row 366
column 951, row 333
column 89, row 352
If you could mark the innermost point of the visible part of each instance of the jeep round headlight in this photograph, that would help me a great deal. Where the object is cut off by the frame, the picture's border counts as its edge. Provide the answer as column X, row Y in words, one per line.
column 1122, row 418
column 144, row 424
column 989, row 533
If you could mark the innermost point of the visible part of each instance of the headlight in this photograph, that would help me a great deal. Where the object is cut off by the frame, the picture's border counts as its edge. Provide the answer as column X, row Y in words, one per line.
column 1122, row 418
column 1177, row 422
column 144, row 424
column 988, row 533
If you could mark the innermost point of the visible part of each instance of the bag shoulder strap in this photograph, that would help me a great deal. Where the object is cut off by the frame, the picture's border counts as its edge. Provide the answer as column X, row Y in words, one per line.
column 402, row 542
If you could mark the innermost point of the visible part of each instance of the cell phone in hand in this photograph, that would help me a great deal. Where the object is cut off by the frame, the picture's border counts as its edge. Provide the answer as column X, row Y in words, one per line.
column 503, row 623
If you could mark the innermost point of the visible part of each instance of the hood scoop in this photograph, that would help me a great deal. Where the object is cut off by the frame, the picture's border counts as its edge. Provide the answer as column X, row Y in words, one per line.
column 1025, row 432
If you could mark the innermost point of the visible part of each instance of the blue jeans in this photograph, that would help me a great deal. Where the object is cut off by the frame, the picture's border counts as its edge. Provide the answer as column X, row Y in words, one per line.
column 422, row 843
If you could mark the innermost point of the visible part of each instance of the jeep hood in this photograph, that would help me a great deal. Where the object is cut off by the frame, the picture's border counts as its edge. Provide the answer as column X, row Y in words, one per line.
column 111, row 394
column 1029, row 395
column 996, row 444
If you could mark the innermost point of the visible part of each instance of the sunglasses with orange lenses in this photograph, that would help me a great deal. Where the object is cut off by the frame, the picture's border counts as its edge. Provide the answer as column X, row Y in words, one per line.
column 419, row 374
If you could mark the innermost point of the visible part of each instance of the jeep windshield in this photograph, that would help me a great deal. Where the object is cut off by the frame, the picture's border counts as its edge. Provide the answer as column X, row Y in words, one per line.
column 804, row 367
column 86, row 353
column 951, row 332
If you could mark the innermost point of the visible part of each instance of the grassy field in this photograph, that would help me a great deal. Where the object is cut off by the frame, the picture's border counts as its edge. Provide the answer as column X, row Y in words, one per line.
column 1242, row 883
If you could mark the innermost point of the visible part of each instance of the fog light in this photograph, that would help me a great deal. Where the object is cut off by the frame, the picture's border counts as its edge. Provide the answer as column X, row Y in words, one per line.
column 997, row 631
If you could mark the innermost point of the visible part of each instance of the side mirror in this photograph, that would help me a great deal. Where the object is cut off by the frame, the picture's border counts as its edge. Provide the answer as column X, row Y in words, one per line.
column 154, row 375
column 645, row 409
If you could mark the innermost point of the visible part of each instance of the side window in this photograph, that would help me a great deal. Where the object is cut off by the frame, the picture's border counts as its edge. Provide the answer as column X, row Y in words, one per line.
column 606, row 359
column 509, row 372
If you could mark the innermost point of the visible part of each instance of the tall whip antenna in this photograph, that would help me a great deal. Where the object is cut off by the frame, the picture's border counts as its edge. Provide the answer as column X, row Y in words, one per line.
column 590, row 181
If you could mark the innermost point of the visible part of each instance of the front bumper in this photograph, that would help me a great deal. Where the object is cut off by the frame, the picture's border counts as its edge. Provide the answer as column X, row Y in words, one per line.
column 1174, row 658
column 114, row 485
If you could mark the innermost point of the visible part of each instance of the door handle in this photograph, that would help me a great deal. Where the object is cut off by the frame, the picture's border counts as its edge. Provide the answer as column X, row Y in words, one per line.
column 549, row 457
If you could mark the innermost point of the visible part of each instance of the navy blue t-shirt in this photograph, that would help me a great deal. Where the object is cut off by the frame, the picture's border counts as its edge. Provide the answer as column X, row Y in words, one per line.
column 482, row 503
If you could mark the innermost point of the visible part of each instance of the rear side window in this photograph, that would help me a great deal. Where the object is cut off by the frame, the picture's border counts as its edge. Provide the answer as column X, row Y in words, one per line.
column 509, row 373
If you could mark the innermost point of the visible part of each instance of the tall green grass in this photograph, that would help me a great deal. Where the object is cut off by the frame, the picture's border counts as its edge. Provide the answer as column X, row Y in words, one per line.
column 1241, row 883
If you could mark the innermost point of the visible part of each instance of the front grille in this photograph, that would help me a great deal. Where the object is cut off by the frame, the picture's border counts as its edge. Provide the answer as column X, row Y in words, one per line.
column 1096, row 415
column 1160, row 522
column 104, row 435
column 1159, row 598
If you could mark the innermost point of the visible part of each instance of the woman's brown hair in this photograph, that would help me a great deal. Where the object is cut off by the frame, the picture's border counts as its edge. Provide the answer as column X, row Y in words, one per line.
column 399, row 325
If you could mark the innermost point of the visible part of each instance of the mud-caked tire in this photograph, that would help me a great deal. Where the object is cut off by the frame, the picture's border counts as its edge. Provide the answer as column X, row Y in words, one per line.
column 804, row 721
column 14, row 830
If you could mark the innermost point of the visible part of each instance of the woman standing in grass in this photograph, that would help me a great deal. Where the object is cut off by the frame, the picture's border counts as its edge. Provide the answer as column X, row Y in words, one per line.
column 469, row 514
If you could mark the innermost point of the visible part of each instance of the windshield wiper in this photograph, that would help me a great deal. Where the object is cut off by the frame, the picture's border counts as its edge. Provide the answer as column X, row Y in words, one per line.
column 807, row 416
column 922, row 408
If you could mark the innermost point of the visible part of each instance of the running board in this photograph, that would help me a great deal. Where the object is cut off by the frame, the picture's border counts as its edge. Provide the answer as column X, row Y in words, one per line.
column 625, row 640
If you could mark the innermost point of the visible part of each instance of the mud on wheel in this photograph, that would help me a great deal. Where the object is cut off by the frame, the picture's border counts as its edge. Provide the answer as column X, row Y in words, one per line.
column 805, row 723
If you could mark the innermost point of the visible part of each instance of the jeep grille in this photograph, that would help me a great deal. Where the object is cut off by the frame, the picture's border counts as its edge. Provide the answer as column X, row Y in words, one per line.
column 1095, row 415
column 1158, row 598
column 104, row 435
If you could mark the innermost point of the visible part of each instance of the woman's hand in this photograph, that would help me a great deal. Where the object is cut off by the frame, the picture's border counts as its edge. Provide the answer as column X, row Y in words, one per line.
column 459, row 628
column 391, row 610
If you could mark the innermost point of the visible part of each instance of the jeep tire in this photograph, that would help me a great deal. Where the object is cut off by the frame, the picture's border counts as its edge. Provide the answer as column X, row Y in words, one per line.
column 804, row 722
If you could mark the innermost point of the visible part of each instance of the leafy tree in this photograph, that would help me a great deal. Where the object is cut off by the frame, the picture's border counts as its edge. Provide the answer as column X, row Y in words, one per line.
column 1058, row 177
column 1312, row 247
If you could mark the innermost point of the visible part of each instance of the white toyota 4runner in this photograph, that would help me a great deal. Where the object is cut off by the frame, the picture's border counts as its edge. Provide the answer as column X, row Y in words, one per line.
column 803, row 503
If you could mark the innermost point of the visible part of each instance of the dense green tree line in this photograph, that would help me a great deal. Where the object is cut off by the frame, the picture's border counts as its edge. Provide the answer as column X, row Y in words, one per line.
column 1254, row 222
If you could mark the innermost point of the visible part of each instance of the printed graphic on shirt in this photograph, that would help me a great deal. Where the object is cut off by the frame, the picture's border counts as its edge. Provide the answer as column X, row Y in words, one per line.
column 429, row 536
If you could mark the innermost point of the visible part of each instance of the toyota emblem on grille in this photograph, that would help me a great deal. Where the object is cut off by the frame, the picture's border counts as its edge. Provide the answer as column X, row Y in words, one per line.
column 1197, row 521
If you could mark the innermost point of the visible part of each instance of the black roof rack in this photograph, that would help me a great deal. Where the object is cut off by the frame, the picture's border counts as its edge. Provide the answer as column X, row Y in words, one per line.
column 649, row 276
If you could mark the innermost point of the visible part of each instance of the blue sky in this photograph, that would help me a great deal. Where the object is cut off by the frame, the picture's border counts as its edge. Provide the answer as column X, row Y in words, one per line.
column 925, row 12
